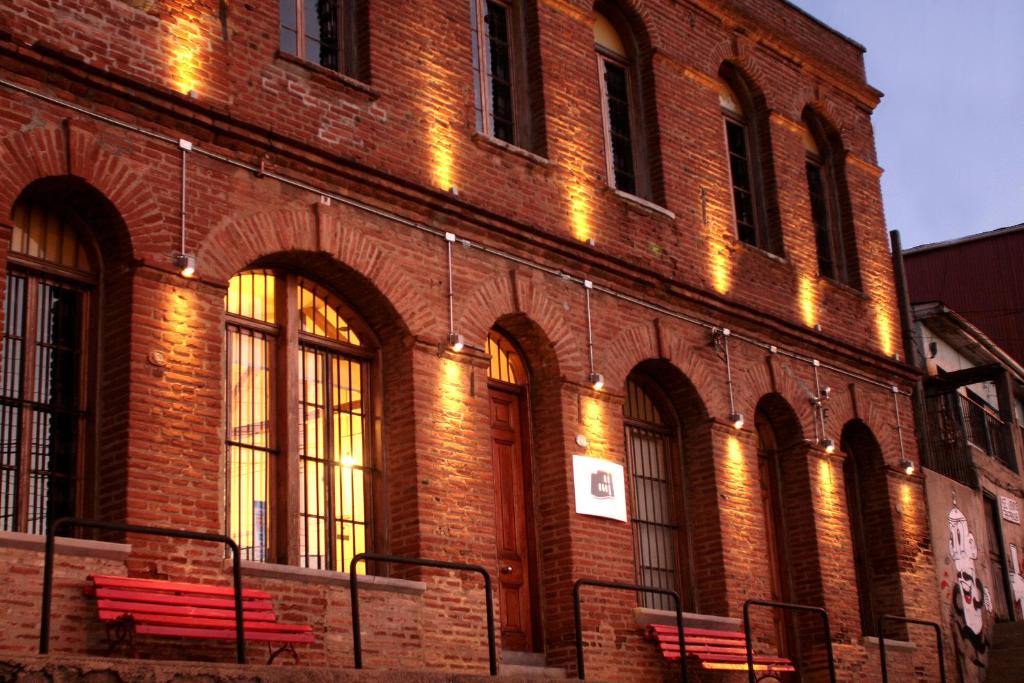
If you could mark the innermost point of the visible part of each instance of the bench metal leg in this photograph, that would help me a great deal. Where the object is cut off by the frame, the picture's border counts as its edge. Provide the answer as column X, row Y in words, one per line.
column 121, row 632
column 287, row 647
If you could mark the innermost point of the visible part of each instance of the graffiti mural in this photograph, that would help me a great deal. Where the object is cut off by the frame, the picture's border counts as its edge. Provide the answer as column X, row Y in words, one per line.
column 1016, row 579
column 969, row 597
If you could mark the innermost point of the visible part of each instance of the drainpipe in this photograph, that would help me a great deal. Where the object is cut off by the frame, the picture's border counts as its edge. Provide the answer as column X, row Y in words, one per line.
column 910, row 349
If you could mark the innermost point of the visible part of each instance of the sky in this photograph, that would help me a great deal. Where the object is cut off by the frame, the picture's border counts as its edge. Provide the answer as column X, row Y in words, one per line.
column 950, row 129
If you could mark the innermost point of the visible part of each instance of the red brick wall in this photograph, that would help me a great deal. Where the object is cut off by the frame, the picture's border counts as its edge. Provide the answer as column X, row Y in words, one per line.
column 399, row 143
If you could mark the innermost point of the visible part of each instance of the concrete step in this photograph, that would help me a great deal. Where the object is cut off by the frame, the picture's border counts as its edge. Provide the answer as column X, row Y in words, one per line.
column 521, row 672
column 523, row 658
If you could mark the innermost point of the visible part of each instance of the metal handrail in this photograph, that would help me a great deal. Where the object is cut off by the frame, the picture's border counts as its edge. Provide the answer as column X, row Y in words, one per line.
column 793, row 608
column 580, row 672
column 357, row 640
column 75, row 522
column 881, row 642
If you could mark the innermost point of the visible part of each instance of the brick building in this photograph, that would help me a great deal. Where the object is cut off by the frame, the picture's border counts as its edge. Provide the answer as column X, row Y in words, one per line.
column 440, row 249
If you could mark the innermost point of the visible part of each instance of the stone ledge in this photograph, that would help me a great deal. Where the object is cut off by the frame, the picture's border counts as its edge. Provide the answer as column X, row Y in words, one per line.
column 287, row 572
column 77, row 547
column 890, row 644
column 645, row 616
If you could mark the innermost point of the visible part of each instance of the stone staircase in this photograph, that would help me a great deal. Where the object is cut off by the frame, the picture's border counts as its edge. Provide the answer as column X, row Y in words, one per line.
column 527, row 665
column 1006, row 662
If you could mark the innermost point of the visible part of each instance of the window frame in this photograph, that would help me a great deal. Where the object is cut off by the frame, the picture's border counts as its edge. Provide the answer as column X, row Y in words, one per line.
column 641, row 183
column 522, row 134
column 825, row 160
column 285, row 523
column 35, row 271
column 347, row 52
column 751, row 136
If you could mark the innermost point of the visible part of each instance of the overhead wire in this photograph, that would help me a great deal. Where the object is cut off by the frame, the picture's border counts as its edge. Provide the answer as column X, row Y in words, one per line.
column 401, row 220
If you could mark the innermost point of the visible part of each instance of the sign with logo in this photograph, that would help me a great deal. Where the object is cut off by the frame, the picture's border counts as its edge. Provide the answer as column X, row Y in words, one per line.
column 1010, row 509
column 600, row 487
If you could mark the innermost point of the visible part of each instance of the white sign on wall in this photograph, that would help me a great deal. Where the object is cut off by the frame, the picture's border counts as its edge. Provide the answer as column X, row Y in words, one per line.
column 600, row 487
column 1010, row 509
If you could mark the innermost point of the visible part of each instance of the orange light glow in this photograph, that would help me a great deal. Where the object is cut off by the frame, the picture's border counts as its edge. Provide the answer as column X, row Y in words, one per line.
column 594, row 421
column 438, row 103
column 719, row 266
column 185, row 53
column 578, row 186
column 882, row 308
column 808, row 299
column 827, row 487
column 734, row 466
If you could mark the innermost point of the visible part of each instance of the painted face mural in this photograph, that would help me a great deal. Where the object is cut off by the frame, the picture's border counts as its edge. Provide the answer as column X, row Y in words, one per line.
column 970, row 597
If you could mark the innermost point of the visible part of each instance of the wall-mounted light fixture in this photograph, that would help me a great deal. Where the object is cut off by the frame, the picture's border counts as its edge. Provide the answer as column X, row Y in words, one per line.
column 720, row 339
column 184, row 262
column 456, row 342
column 595, row 378
column 905, row 463
column 818, row 399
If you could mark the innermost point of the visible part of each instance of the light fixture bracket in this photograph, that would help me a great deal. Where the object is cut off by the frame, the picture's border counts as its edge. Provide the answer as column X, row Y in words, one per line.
column 185, row 264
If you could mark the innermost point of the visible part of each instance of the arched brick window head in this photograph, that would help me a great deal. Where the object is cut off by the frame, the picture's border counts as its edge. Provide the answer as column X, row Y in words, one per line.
column 45, row 397
column 621, row 106
column 301, row 468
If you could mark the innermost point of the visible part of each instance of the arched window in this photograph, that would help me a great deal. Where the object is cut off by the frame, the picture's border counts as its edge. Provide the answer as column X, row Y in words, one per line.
column 655, row 467
column 329, row 33
column 301, row 463
column 505, row 74
column 745, row 169
column 836, row 246
column 45, row 398
column 621, row 105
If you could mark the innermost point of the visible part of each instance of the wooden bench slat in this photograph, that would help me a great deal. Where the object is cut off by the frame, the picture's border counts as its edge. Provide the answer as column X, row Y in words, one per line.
column 205, row 622
column 175, row 599
column 221, row 634
column 161, row 585
column 122, row 607
column 714, row 649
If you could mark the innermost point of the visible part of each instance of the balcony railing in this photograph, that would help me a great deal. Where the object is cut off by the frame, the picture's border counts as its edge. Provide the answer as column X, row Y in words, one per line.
column 959, row 426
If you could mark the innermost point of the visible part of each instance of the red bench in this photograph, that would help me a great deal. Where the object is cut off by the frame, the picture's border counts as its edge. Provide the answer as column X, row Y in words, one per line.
column 713, row 649
column 187, row 610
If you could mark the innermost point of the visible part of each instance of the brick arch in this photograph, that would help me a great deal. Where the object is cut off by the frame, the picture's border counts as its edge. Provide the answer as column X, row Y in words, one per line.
column 518, row 294
column 363, row 262
column 753, row 381
column 75, row 152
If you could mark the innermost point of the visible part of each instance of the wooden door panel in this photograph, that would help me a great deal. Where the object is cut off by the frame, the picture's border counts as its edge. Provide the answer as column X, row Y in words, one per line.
column 511, row 521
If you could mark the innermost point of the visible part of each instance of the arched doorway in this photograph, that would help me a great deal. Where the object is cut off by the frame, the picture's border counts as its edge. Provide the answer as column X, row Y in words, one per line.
column 508, row 397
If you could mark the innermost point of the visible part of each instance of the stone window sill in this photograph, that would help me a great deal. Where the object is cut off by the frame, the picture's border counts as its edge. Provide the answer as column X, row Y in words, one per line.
column 330, row 74
column 763, row 253
column 491, row 141
column 287, row 572
column 644, row 204
column 645, row 616
column 76, row 547
column 890, row 644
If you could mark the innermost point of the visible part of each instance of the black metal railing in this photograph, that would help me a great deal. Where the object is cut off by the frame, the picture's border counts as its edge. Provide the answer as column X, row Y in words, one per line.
column 881, row 643
column 986, row 431
column 74, row 522
column 357, row 639
column 948, row 452
column 792, row 608
column 580, row 671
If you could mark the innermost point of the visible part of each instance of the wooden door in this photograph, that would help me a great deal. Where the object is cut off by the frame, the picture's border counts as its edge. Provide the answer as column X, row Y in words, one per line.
column 774, row 533
column 513, row 520
column 996, row 559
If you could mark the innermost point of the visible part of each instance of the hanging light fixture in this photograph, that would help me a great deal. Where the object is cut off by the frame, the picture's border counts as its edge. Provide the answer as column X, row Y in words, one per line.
column 456, row 342
column 184, row 262
column 821, row 394
column 905, row 463
column 595, row 378
column 720, row 338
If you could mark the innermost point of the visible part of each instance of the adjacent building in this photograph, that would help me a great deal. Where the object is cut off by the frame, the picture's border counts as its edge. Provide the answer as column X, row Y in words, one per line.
column 565, row 289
